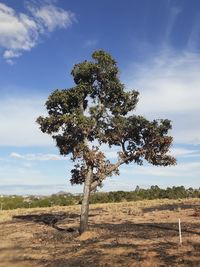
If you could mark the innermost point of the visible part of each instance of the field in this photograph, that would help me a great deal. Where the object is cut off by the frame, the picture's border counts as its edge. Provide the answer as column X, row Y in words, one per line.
column 143, row 233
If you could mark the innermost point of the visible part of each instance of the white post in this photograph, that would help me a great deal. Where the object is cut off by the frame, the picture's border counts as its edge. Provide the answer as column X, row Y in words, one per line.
column 1, row 206
column 179, row 226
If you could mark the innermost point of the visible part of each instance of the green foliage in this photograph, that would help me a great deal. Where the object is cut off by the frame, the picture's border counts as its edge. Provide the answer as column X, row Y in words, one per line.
column 11, row 202
column 14, row 202
column 154, row 192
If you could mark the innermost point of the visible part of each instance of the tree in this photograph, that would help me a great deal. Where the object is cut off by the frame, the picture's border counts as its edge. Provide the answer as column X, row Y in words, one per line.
column 95, row 112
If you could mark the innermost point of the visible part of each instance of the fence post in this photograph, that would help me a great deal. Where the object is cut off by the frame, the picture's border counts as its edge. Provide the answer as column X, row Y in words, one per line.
column 179, row 226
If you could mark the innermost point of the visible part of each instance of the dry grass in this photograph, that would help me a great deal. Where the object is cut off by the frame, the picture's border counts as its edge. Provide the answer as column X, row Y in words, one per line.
column 143, row 233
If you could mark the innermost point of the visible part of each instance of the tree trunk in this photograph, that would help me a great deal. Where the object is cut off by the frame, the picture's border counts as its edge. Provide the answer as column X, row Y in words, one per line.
column 85, row 202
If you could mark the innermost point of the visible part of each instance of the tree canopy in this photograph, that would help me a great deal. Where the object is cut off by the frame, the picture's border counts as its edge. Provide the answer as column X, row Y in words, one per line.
column 99, row 110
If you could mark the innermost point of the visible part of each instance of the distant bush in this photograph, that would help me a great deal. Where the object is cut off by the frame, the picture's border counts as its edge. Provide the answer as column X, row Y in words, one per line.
column 65, row 199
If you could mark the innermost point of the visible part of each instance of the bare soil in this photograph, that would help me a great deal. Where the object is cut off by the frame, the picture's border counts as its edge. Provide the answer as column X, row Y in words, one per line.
column 143, row 233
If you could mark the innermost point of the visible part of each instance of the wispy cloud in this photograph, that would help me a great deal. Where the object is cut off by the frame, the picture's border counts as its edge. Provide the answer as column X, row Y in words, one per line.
column 183, row 152
column 19, row 126
column 173, row 15
column 169, row 87
column 187, row 169
column 16, row 155
column 34, row 169
column 36, row 157
column 51, row 17
column 19, row 174
column 194, row 36
column 38, row 189
column 21, row 32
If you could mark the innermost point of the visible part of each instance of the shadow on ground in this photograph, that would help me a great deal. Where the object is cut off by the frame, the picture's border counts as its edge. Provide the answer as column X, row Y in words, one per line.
column 171, row 207
column 132, row 240
column 114, row 244
column 50, row 219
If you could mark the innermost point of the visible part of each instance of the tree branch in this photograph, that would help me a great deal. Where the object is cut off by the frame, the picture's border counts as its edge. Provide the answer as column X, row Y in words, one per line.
column 103, row 176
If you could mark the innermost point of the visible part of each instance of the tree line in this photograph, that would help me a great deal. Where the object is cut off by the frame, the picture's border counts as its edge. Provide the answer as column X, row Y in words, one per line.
column 154, row 192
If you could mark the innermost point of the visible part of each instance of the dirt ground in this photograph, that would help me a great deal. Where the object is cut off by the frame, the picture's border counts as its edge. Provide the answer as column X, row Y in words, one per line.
column 143, row 233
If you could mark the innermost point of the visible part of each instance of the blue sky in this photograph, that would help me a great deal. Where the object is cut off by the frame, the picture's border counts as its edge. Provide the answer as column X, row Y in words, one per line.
column 157, row 46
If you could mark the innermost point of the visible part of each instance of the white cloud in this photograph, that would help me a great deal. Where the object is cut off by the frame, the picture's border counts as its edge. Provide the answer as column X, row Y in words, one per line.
column 173, row 14
column 11, row 54
column 170, row 85
column 36, row 157
column 186, row 169
column 16, row 155
column 194, row 37
column 11, row 174
column 20, row 32
column 52, row 17
column 15, row 173
column 18, row 115
column 183, row 152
